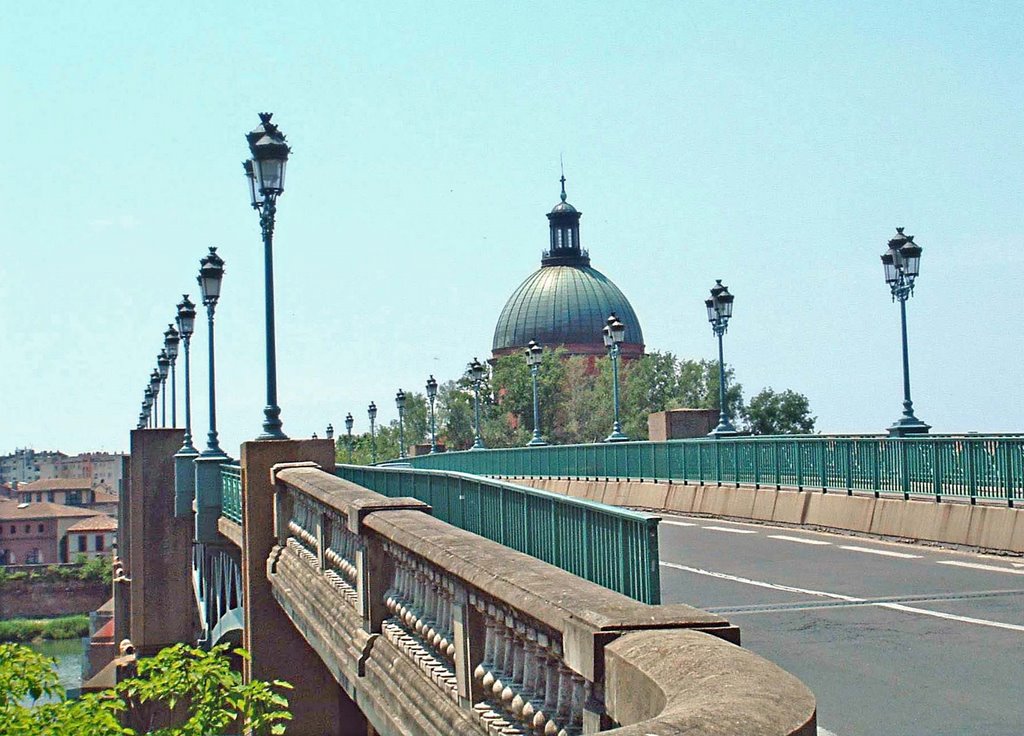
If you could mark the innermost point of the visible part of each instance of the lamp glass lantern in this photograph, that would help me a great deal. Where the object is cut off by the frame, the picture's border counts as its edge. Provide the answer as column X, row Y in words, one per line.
column 269, row 157
column 163, row 364
column 349, row 422
column 371, row 411
column 431, row 388
column 186, row 318
column 255, row 195
column 400, row 400
column 171, row 340
column 211, row 273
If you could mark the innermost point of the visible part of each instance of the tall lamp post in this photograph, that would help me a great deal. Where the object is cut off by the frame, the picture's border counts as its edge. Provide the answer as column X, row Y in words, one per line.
column 171, row 340
column 475, row 372
column 184, row 459
column 902, row 264
column 163, row 365
column 400, row 403
column 349, row 423
column 211, row 272
column 613, row 333
column 154, row 391
column 431, row 398
column 186, row 321
column 147, row 406
column 534, row 353
column 719, row 308
column 330, row 431
column 371, row 412
column 265, row 173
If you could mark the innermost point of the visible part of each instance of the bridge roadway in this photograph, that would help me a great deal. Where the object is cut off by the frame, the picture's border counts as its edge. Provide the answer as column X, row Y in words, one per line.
column 891, row 638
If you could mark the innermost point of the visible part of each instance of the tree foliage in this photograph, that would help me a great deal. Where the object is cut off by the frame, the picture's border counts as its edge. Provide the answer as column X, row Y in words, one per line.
column 195, row 690
column 779, row 412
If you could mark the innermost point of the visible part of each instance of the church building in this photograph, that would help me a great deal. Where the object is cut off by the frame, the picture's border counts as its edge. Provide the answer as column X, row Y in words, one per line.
column 565, row 302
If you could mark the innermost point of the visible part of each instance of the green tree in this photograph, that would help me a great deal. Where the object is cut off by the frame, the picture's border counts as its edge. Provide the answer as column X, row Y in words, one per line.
column 779, row 412
column 196, row 690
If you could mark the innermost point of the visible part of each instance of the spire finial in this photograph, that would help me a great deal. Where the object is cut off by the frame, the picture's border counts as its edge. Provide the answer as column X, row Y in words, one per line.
column 561, row 163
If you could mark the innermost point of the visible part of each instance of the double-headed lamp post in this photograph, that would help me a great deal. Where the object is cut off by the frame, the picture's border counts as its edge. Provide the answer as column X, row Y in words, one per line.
column 475, row 371
column 349, row 423
column 265, row 173
column 534, row 354
column 211, row 272
column 719, row 308
column 186, row 321
column 171, row 340
column 371, row 412
column 400, row 404
column 902, row 264
column 163, row 366
column 431, row 398
column 613, row 333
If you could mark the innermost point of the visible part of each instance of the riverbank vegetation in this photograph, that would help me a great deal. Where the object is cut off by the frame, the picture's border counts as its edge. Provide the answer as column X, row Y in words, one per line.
column 96, row 569
column 26, row 629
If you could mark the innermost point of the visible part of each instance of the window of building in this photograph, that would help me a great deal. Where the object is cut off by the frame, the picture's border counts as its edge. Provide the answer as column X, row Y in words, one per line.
column 39, row 497
column 81, row 543
column 99, row 542
column 14, row 529
column 41, row 528
column 73, row 498
column 28, row 528
column 49, row 496
column 33, row 557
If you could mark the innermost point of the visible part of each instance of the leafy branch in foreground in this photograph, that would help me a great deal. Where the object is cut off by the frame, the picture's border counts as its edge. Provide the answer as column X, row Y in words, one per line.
column 195, row 690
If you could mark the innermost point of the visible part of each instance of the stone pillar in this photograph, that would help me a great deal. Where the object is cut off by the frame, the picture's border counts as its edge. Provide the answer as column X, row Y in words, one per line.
column 159, row 549
column 121, row 590
column 278, row 651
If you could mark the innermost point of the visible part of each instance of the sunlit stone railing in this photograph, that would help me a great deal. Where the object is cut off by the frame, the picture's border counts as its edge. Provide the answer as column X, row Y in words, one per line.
column 505, row 643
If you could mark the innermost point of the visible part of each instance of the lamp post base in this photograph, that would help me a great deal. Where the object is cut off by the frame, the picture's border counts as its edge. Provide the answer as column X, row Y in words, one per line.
column 616, row 436
column 478, row 445
column 908, row 426
column 272, row 424
column 537, row 441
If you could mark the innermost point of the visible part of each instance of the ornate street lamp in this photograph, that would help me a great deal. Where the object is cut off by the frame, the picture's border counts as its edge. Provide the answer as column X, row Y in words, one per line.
column 349, row 423
column 719, row 308
column 163, row 365
column 171, row 340
column 186, row 321
column 400, row 403
column 613, row 333
column 147, row 406
column 154, row 391
column 431, row 398
column 475, row 372
column 372, row 413
column 330, row 431
column 265, row 174
column 211, row 272
column 534, row 354
column 902, row 264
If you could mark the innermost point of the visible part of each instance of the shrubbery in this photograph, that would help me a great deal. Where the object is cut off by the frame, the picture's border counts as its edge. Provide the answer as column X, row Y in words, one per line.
column 24, row 629
column 96, row 569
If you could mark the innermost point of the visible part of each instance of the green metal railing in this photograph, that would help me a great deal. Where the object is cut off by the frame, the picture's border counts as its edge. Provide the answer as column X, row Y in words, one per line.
column 231, row 492
column 986, row 467
column 612, row 547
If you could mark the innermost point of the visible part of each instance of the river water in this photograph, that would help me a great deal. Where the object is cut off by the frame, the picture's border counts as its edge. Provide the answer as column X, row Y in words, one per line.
column 69, row 654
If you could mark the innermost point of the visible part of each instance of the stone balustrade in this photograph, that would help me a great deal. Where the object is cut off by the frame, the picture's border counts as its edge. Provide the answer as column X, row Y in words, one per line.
column 434, row 630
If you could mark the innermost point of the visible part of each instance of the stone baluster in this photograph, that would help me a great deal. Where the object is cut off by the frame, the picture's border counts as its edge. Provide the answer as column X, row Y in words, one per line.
column 515, row 683
column 544, row 720
column 489, row 665
column 524, row 693
column 564, row 708
column 503, row 659
column 535, row 688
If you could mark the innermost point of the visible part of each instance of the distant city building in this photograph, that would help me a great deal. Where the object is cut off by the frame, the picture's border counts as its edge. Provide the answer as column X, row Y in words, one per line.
column 106, row 469
column 25, row 465
column 37, row 533
column 565, row 302
column 92, row 537
column 65, row 491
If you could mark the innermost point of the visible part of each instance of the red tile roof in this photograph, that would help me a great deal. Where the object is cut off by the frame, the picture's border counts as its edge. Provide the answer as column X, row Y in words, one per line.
column 11, row 510
column 56, row 484
column 98, row 523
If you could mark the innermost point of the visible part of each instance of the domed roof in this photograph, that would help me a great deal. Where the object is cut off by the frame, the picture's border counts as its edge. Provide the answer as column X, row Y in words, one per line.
column 563, row 206
column 563, row 305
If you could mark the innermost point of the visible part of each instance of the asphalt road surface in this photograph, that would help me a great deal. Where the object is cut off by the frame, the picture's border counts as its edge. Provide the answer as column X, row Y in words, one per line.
column 892, row 638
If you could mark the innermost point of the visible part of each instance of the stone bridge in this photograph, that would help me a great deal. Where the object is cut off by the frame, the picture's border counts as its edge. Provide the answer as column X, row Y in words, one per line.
column 388, row 620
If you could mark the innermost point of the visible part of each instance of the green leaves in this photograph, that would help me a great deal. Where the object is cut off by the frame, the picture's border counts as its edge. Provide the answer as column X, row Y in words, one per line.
column 782, row 412
column 185, row 691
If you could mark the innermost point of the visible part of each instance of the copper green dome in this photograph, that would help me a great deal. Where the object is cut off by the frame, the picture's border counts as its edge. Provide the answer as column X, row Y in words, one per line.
column 565, row 302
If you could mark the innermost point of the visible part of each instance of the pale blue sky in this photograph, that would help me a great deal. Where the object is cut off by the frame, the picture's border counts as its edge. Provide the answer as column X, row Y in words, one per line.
column 773, row 145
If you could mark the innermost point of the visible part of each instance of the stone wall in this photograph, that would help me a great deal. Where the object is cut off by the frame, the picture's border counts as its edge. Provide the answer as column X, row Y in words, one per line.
column 677, row 424
column 42, row 599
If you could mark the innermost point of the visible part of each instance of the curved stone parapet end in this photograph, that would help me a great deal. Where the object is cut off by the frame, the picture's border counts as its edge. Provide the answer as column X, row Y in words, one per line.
column 668, row 683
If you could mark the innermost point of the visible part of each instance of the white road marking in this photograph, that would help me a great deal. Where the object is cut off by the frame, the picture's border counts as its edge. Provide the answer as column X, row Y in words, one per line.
column 883, row 552
column 729, row 529
column 841, row 597
column 1017, row 564
column 677, row 523
column 801, row 540
column 978, row 566
column 824, row 732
